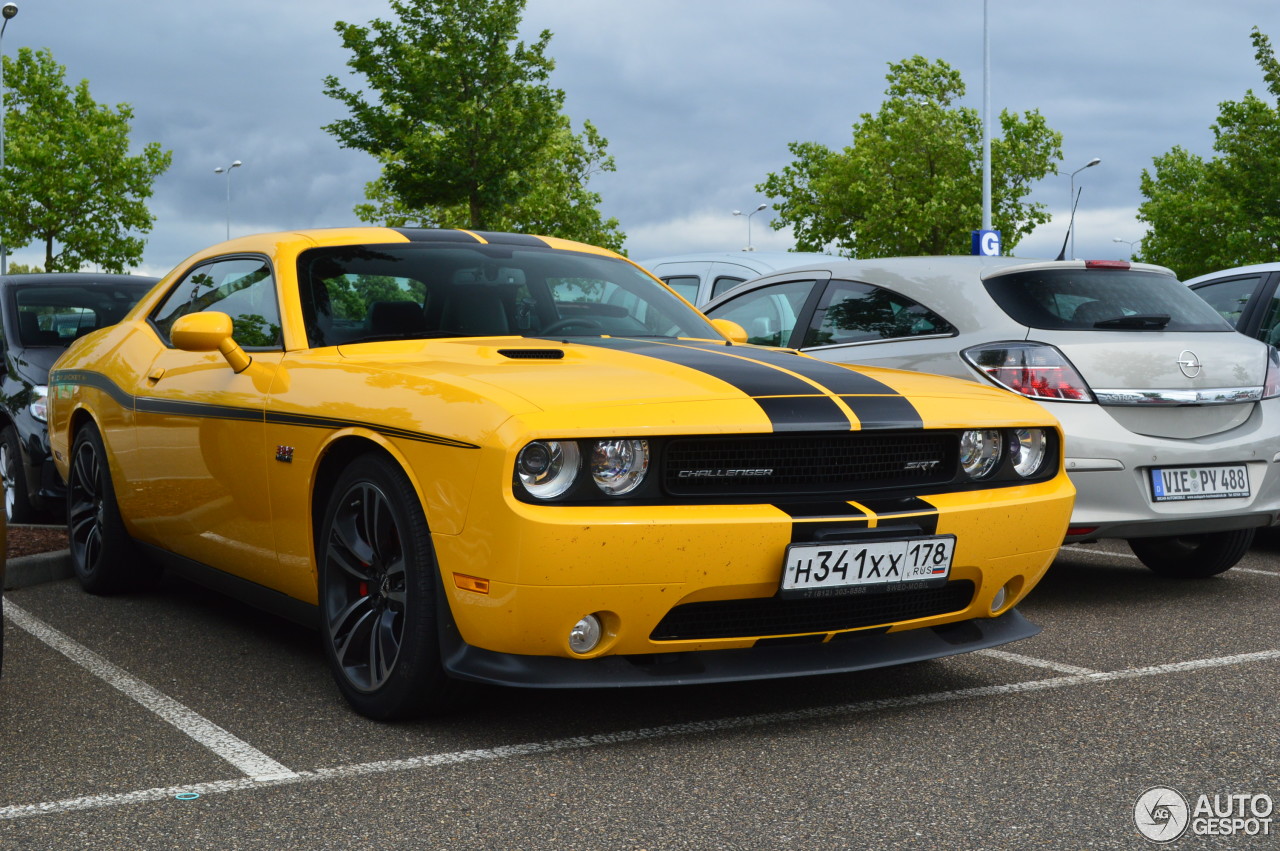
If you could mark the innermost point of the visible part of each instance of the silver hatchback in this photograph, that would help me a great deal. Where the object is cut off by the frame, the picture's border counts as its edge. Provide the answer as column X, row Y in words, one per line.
column 1172, row 419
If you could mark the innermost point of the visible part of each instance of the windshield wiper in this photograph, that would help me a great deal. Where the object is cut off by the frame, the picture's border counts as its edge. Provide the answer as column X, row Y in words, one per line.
column 1138, row 320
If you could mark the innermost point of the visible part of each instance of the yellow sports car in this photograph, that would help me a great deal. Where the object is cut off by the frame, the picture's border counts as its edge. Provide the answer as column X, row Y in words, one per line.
column 520, row 460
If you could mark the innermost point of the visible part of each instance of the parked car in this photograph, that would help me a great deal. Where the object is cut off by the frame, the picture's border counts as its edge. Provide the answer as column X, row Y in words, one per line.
column 701, row 277
column 1172, row 420
column 40, row 315
column 4, row 547
column 523, row 461
column 1246, row 297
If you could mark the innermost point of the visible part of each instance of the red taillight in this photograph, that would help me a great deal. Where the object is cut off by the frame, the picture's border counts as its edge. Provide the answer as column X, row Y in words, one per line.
column 1106, row 264
column 1271, row 387
column 1077, row 531
column 1035, row 370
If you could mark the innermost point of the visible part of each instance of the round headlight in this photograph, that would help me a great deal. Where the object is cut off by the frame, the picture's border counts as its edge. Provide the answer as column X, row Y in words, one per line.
column 979, row 452
column 1027, row 447
column 547, row 468
column 618, row 466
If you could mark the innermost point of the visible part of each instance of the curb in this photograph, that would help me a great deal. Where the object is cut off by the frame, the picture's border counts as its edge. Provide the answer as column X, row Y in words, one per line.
column 35, row 569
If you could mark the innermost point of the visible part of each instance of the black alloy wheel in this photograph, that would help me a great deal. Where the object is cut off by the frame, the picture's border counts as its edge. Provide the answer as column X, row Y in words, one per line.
column 17, row 502
column 378, row 595
column 102, row 553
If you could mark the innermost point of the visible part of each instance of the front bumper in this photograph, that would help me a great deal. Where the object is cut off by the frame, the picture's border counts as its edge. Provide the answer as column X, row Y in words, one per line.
column 858, row 652
column 545, row 567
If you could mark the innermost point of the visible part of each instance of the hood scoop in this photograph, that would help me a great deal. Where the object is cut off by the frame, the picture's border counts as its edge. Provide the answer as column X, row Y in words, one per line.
column 532, row 354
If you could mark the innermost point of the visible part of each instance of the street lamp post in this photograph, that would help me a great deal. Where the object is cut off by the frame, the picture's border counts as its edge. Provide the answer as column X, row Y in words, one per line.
column 749, row 215
column 1072, row 225
column 1129, row 242
column 227, row 171
column 8, row 11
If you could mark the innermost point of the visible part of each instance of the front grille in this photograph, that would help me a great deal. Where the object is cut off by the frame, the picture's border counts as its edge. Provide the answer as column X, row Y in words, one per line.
column 787, row 465
column 774, row 616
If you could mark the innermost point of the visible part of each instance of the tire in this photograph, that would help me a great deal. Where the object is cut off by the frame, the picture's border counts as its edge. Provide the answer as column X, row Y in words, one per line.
column 17, row 502
column 378, row 577
column 1193, row 556
column 103, row 555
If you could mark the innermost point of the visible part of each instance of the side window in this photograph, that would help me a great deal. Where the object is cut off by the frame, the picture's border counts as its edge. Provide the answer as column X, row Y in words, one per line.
column 855, row 313
column 1230, row 297
column 768, row 314
column 1269, row 331
column 686, row 286
column 724, row 283
column 242, row 287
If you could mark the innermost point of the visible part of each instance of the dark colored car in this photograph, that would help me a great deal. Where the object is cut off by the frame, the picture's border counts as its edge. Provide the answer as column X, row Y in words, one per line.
column 1247, row 296
column 40, row 315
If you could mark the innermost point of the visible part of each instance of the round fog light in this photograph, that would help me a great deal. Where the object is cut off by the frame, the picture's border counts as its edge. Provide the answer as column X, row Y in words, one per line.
column 997, row 602
column 585, row 635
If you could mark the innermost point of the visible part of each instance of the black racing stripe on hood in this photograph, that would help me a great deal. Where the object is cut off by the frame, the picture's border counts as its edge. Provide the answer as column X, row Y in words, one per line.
column 876, row 404
column 803, row 411
column 884, row 412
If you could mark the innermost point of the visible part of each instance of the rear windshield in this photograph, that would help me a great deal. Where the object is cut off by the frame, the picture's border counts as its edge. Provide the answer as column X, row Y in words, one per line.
column 1102, row 300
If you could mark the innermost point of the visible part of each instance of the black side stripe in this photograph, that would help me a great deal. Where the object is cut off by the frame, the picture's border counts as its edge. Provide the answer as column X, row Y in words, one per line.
column 200, row 410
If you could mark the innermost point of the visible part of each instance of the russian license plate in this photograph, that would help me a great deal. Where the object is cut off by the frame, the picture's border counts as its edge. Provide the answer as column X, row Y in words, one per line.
column 1173, row 484
column 849, row 568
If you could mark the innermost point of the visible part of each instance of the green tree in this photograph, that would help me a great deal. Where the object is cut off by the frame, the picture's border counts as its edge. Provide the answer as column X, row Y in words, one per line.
column 911, row 182
column 553, row 197
column 461, row 117
column 69, row 180
column 1224, row 211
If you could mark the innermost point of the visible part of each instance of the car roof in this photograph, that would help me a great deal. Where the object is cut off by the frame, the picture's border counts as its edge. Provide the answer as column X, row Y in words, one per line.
column 64, row 278
column 760, row 261
column 1235, row 270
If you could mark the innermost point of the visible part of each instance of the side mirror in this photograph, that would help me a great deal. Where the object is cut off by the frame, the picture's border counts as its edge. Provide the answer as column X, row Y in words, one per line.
column 209, row 331
column 735, row 332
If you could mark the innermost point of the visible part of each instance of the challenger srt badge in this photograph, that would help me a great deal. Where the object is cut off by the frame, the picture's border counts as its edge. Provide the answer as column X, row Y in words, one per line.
column 285, row 454
column 920, row 465
column 725, row 474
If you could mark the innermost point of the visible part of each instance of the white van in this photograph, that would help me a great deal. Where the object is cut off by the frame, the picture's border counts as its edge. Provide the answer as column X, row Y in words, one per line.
column 701, row 277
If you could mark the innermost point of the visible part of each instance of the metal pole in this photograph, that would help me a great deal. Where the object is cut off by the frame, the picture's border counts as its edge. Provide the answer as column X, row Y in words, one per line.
column 10, row 9
column 986, row 121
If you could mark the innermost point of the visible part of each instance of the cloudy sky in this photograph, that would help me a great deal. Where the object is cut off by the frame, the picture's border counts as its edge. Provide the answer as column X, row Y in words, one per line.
column 698, row 99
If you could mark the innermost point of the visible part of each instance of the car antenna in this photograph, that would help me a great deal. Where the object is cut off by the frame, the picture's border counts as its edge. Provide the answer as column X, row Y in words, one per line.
column 1062, row 255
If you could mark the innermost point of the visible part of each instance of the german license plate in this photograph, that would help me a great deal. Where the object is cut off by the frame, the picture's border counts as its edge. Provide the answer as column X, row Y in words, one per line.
column 848, row 567
column 1174, row 484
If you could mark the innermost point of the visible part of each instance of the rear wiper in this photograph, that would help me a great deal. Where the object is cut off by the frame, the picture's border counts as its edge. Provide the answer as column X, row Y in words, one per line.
column 1137, row 320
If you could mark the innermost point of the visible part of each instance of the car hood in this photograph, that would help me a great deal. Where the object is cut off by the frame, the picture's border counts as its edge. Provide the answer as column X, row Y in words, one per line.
column 703, row 386
column 34, row 362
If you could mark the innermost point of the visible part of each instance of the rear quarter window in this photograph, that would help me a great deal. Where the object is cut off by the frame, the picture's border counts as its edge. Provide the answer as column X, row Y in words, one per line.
column 1101, row 299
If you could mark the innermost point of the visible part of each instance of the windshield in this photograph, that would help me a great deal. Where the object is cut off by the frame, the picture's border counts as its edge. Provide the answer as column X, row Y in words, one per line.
column 1102, row 300
column 364, row 293
column 56, row 314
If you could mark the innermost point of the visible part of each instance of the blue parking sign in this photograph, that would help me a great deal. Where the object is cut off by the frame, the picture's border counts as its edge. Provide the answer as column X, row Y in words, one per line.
column 986, row 243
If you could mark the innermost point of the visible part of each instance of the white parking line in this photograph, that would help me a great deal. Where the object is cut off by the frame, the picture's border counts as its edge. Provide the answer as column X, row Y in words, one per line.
column 601, row 739
column 1033, row 662
column 1255, row 570
column 242, row 755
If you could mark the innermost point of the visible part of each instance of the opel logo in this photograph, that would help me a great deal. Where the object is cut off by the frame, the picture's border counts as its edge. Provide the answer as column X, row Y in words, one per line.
column 1189, row 363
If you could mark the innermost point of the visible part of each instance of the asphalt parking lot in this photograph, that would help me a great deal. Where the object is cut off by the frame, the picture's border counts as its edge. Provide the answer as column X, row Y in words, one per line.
column 178, row 719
